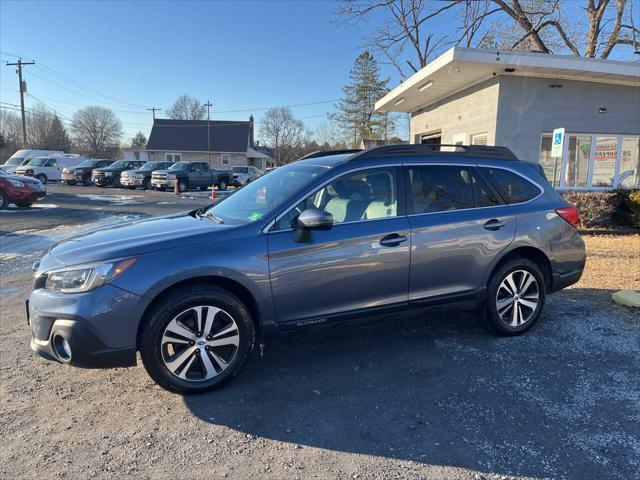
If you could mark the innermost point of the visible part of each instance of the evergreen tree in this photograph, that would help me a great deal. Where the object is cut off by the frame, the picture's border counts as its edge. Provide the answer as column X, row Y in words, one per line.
column 139, row 140
column 356, row 113
column 57, row 136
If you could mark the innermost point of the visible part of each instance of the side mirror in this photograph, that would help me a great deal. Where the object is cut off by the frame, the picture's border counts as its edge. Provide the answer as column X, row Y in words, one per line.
column 312, row 219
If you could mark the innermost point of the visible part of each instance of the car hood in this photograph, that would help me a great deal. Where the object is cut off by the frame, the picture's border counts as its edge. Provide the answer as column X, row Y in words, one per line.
column 20, row 178
column 168, row 171
column 108, row 169
column 136, row 238
column 137, row 171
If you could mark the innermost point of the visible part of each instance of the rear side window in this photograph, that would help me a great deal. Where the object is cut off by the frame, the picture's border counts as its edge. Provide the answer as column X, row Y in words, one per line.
column 437, row 188
column 512, row 187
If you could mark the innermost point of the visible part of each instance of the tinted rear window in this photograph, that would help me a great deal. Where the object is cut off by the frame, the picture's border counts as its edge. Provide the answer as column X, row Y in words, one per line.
column 512, row 187
column 440, row 188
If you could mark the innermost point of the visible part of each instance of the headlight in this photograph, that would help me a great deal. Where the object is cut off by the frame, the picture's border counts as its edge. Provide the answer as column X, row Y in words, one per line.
column 108, row 174
column 82, row 278
column 15, row 183
column 171, row 176
column 138, row 176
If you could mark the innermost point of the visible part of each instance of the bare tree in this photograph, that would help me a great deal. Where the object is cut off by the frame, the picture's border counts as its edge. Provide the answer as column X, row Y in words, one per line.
column 283, row 132
column 589, row 28
column 45, row 130
column 97, row 132
column 330, row 137
column 10, row 132
column 187, row 108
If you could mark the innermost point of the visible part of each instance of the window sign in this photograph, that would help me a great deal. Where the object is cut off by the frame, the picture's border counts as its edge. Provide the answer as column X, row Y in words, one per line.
column 604, row 162
column 629, row 176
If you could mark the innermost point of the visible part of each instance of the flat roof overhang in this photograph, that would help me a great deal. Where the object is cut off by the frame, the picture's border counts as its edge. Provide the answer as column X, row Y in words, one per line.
column 461, row 68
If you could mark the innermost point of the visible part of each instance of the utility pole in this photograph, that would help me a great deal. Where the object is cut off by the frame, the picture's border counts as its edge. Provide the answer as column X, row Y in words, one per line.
column 20, row 64
column 208, row 105
column 153, row 111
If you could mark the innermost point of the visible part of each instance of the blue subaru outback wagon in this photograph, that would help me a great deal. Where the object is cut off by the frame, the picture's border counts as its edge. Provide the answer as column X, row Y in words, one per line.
column 334, row 236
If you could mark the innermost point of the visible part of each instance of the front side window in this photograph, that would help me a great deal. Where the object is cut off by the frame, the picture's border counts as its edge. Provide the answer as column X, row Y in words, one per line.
column 512, row 187
column 52, row 163
column 436, row 188
column 38, row 162
column 363, row 195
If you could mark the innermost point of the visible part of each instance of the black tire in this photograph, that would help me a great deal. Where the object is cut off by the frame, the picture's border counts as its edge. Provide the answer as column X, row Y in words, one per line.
column 146, row 184
column 86, row 180
column 171, row 305
column 162, row 188
column 4, row 203
column 222, row 185
column 70, row 182
column 492, row 319
column 42, row 177
column 183, row 185
column 24, row 204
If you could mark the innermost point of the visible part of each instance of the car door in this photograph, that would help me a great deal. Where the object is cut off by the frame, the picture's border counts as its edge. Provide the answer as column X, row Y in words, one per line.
column 361, row 263
column 459, row 226
column 51, row 169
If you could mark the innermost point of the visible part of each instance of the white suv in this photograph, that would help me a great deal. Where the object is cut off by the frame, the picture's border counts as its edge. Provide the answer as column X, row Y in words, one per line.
column 22, row 157
column 50, row 167
column 244, row 175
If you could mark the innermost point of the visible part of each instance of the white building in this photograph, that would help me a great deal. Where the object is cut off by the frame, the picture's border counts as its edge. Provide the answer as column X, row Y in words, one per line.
column 517, row 99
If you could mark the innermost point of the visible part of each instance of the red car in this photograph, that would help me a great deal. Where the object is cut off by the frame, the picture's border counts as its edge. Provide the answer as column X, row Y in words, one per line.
column 22, row 191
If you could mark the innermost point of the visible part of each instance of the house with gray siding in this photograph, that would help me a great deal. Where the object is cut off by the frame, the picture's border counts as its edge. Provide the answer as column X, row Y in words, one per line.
column 517, row 99
column 221, row 143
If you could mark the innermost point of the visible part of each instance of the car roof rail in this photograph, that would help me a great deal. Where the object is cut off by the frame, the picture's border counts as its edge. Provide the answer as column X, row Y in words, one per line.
column 420, row 149
column 328, row 153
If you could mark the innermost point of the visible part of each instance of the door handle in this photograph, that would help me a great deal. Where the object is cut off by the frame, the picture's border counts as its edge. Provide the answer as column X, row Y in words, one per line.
column 494, row 224
column 393, row 240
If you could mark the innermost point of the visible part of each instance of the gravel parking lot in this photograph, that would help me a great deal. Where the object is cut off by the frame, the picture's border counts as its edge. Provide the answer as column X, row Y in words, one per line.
column 409, row 396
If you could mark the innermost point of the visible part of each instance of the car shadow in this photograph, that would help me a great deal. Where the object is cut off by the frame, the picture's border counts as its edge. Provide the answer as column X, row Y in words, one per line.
column 432, row 388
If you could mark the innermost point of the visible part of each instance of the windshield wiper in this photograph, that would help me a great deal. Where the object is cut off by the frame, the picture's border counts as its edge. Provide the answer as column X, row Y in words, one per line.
column 212, row 216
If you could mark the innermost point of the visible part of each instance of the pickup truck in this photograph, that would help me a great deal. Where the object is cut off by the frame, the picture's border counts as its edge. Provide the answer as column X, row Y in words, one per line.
column 190, row 175
column 244, row 175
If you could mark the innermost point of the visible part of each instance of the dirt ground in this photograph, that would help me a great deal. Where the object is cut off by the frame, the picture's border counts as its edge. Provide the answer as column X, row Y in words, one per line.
column 420, row 396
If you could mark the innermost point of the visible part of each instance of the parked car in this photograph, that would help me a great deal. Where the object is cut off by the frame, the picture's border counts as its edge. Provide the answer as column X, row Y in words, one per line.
column 190, row 175
column 19, row 190
column 110, row 176
column 324, row 239
column 244, row 175
column 22, row 157
column 82, row 173
column 49, row 168
column 142, row 176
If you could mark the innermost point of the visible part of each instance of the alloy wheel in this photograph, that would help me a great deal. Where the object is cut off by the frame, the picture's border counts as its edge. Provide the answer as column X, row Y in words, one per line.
column 200, row 343
column 517, row 298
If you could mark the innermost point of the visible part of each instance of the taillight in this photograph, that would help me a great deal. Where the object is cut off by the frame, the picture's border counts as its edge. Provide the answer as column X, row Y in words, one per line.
column 569, row 214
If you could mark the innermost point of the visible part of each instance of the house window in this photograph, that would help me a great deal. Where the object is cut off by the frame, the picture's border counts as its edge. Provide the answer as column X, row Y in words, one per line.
column 173, row 157
column 576, row 173
column 136, row 155
column 225, row 159
column 480, row 139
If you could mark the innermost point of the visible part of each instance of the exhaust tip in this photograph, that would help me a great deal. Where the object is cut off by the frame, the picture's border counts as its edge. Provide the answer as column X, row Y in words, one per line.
column 62, row 348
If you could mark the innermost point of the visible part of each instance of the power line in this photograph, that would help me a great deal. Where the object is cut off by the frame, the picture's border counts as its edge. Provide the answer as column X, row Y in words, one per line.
column 153, row 112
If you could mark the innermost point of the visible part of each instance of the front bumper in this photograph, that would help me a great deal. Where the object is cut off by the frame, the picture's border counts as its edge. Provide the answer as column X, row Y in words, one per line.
column 102, row 181
column 100, row 326
column 131, row 182
column 25, row 194
column 70, row 177
column 163, row 183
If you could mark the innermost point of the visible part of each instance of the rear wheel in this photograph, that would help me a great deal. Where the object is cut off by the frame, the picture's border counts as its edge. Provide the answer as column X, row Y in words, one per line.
column 42, row 177
column 515, row 297
column 196, row 339
column 182, row 185
column 4, row 203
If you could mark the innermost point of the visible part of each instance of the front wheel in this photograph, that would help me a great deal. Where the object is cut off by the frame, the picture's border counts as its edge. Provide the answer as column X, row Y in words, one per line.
column 515, row 297
column 42, row 177
column 86, row 180
column 222, row 185
column 182, row 186
column 70, row 182
column 196, row 339
column 4, row 203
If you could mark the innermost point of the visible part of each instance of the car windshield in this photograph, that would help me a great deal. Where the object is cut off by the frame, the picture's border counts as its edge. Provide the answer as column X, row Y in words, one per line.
column 88, row 163
column 150, row 166
column 178, row 166
column 120, row 164
column 15, row 161
column 37, row 162
column 240, row 169
column 265, row 194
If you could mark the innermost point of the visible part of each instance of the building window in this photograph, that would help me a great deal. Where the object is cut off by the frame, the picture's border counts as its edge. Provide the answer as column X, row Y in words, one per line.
column 629, row 173
column 576, row 173
column 604, row 162
column 173, row 157
column 480, row 139
column 136, row 155
column 550, row 165
column 225, row 159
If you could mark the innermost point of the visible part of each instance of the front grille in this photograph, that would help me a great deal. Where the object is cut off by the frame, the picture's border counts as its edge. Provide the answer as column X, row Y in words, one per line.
column 159, row 176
